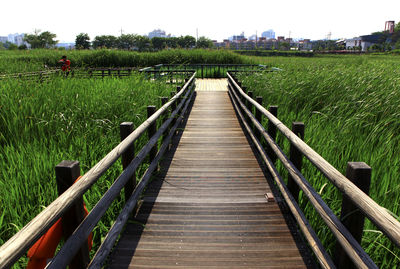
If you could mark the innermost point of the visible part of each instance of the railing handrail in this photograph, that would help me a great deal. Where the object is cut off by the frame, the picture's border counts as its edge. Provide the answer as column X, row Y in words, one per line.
column 343, row 236
column 17, row 245
column 310, row 235
column 79, row 236
column 376, row 213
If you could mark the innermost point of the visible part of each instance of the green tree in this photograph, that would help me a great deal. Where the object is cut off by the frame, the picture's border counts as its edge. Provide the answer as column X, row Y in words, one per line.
column 41, row 40
column 171, row 42
column 82, row 41
column 186, row 41
column 2, row 46
column 397, row 45
column 23, row 47
column 126, row 42
column 142, row 43
column 12, row 47
column 158, row 43
column 285, row 45
column 105, row 41
column 204, row 42
column 397, row 27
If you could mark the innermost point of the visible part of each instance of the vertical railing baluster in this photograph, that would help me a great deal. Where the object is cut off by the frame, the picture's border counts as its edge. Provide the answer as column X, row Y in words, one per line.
column 66, row 174
column 360, row 174
column 296, row 157
column 125, row 129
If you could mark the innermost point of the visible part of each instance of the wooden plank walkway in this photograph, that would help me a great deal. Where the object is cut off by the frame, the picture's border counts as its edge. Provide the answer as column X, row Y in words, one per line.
column 207, row 207
column 208, row 84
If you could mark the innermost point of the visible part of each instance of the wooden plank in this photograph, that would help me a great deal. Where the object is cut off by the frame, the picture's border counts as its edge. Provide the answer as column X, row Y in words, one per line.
column 16, row 246
column 207, row 207
column 378, row 215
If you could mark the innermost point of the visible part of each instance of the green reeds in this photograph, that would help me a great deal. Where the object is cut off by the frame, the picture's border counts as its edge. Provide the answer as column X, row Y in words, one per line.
column 42, row 124
column 351, row 110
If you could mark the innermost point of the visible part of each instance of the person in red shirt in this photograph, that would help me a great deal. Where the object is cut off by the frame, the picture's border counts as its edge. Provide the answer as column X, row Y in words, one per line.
column 65, row 65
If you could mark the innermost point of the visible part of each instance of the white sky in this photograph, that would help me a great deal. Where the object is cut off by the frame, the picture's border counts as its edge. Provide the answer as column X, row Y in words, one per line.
column 216, row 19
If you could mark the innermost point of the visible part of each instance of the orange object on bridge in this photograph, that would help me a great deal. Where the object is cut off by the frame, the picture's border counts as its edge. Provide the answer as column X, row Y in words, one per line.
column 46, row 246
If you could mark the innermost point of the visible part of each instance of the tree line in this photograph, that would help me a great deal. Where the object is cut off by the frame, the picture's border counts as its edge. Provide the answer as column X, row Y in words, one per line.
column 39, row 39
column 140, row 43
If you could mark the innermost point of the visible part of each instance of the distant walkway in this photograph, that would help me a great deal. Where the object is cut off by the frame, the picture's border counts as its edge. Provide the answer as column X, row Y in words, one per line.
column 208, row 84
column 208, row 206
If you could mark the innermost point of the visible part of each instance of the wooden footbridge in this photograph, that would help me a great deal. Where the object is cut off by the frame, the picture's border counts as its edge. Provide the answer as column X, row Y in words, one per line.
column 211, row 196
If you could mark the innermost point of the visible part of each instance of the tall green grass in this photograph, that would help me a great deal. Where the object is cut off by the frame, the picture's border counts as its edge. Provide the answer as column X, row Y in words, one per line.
column 42, row 124
column 351, row 110
column 35, row 60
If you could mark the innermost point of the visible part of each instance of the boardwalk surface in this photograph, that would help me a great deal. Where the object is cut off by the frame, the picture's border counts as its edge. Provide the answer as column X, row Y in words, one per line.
column 208, row 208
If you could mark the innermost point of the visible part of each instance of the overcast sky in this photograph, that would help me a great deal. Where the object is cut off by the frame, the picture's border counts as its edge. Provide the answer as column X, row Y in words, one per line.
column 216, row 19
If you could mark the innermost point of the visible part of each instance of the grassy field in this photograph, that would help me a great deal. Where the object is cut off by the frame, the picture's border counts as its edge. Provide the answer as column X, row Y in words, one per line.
column 350, row 106
column 351, row 110
column 42, row 124
column 35, row 60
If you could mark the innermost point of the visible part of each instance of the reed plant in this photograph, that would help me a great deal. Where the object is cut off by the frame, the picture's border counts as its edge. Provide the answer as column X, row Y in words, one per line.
column 351, row 110
column 42, row 124
column 39, row 60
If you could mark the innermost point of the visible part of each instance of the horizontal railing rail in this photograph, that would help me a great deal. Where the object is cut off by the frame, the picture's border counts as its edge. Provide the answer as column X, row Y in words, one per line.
column 101, row 72
column 377, row 214
column 17, row 246
column 207, row 70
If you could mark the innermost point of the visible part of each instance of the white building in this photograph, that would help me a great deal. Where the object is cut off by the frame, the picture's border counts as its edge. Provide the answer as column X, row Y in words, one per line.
column 269, row 34
column 353, row 43
column 237, row 38
column 17, row 39
column 3, row 39
column 157, row 33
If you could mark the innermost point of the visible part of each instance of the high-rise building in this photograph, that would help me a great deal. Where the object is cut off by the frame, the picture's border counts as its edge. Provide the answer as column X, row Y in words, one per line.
column 157, row 33
column 268, row 34
column 236, row 38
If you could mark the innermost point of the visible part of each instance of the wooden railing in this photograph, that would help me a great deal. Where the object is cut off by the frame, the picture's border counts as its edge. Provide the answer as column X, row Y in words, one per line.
column 18, row 245
column 171, row 76
column 207, row 70
column 348, row 233
column 39, row 75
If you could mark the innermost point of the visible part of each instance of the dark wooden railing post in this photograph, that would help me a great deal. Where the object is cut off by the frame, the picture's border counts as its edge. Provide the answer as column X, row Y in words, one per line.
column 296, row 158
column 102, row 73
column 202, row 68
column 244, row 100
column 178, row 101
column 164, row 100
column 249, row 106
column 109, row 72
column 259, row 100
column 66, row 174
column 151, row 131
column 272, row 132
column 173, row 107
column 125, row 129
column 360, row 174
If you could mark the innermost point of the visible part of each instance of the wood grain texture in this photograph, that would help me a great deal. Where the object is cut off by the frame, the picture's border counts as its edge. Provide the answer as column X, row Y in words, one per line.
column 310, row 235
column 343, row 236
column 207, row 207
column 376, row 213
column 207, row 84
column 16, row 246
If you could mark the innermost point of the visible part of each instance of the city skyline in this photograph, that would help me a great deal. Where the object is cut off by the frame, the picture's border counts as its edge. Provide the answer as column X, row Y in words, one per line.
column 215, row 20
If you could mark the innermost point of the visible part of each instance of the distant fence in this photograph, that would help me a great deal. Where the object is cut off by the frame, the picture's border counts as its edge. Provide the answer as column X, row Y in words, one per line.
column 171, row 76
column 206, row 70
